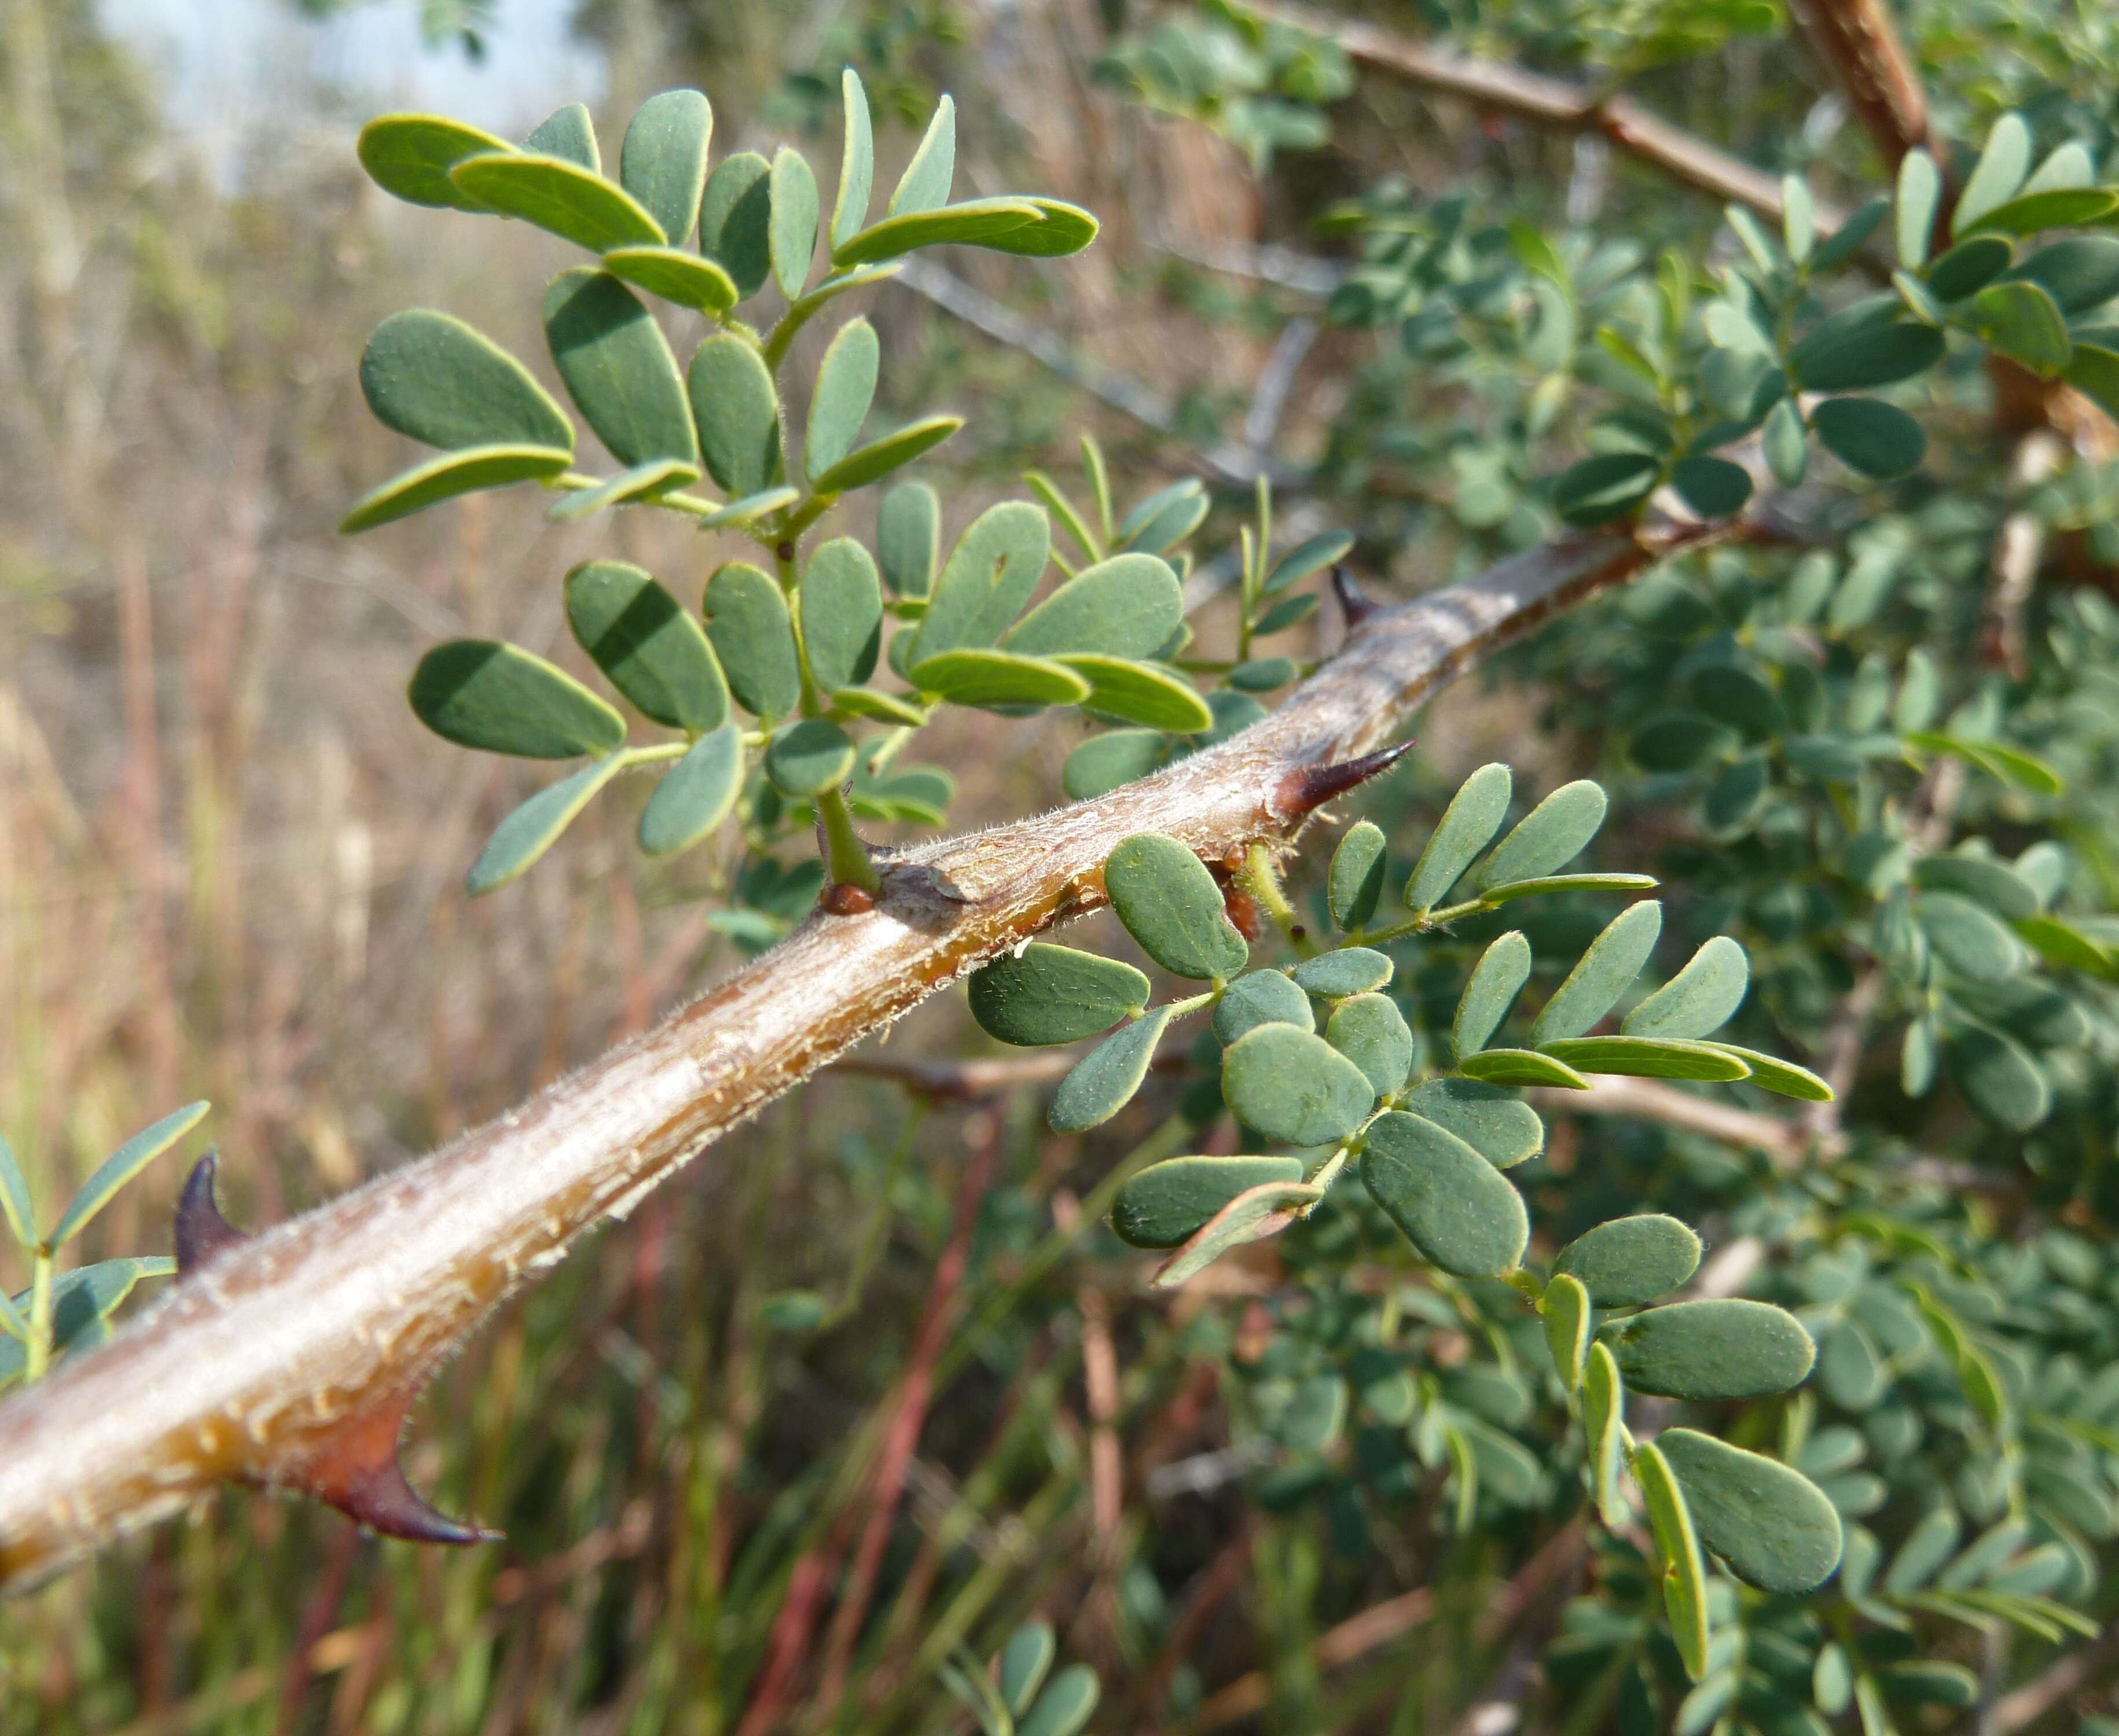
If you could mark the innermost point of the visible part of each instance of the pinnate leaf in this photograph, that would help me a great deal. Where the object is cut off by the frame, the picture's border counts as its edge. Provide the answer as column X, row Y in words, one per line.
column 479, row 693
column 643, row 639
column 1448, row 1201
column 1467, row 826
column 1168, row 1203
column 1046, row 994
column 1717, row 1349
column 431, row 376
column 1700, row 998
column 1632, row 1260
column 1172, row 908
column 1293, row 1086
column 1104, row 1080
column 695, row 795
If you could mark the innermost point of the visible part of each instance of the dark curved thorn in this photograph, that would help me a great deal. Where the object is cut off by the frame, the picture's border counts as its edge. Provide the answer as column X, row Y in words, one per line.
column 1308, row 788
column 1355, row 604
column 357, row 1472
column 203, row 1235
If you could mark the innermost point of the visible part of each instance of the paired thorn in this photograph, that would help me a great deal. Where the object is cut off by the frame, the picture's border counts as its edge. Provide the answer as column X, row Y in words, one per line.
column 1355, row 604
column 357, row 1471
column 1307, row 789
column 202, row 1233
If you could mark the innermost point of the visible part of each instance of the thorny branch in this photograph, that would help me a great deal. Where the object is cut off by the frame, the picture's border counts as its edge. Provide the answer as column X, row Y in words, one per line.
column 290, row 1359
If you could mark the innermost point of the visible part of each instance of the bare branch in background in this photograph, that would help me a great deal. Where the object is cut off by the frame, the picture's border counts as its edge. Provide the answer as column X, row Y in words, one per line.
column 1860, row 48
column 1685, row 157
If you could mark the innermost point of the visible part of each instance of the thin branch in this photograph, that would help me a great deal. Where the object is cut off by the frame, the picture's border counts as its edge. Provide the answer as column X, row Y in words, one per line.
column 272, row 1361
column 2042, row 1693
column 1860, row 48
column 1683, row 156
column 1788, row 1143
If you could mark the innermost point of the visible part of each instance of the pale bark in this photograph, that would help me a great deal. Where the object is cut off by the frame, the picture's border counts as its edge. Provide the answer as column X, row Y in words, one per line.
column 268, row 1362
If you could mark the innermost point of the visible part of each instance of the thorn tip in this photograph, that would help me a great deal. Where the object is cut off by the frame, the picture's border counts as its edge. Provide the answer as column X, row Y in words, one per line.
column 1355, row 604
column 202, row 1233
column 356, row 1470
column 1307, row 789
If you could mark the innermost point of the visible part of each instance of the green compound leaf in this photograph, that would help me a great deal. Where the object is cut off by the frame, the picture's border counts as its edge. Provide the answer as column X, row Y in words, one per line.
column 1104, row 762
column 535, row 827
column 1773, row 1525
column 839, row 404
column 750, row 508
column 1700, row 998
column 926, row 183
column 663, row 162
column 1103, row 1080
column 1714, row 488
column 2024, row 323
column 856, row 172
column 1565, row 1306
column 791, row 229
column 1127, row 606
column 808, row 756
column 1294, row 1086
column 1356, row 883
column 1783, row 1078
column 737, row 413
column 1997, row 1076
column 563, row 197
column 2066, row 945
column 1173, row 909
column 1648, row 1057
column 452, row 473
column 1501, row 1128
column 1495, row 981
column 988, row 576
column 1370, row 1032
column 878, row 458
column 1630, row 1260
column 18, row 1204
column 82, row 1301
column 2079, row 272
column 1604, row 1421
column 1996, row 177
column 746, row 621
column 1969, row 265
column 645, row 641
column 618, row 366
column 1608, row 487
column 1168, row 1203
column 1786, row 442
column 676, row 277
column 1265, row 1210
column 2056, row 207
column 1005, row 224
column 1685, row 1574
column 642, row 482
column 1064, row 1709
column 736, row 219
column 1046, row 994
column 695, row 795
column 1144, row 693
column 409, row 157
column 1925, row 1683
column 1592, row 989
column 120, row 1166
column 1969, row 939
column 1452, row 1205
column 1866, row 434
column 980, row 677
column 1551, row 835
column 841, row 606
column 479, row 693
column 1467, row 826
column 919, row 795
column 1521, row 1067
column 1261, row 997
column 434, row 378
column 1719, row 1349
column 1919, row 196
column 1864, row 346
column 1985, row 879
column 568, row 133
column 1066, row 228
column 908, row 538
column 1313, row 554
column 1332, row 976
